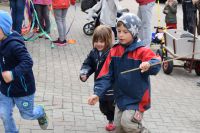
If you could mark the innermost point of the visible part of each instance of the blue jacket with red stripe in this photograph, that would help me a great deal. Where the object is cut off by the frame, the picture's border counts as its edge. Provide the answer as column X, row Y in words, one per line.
column 132, row 89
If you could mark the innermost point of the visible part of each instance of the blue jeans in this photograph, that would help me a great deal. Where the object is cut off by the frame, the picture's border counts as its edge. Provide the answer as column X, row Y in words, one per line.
column 17, row 12
column 26, row 109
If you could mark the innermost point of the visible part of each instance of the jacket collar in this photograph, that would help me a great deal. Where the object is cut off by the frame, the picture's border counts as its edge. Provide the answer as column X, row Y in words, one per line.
column 134, row 45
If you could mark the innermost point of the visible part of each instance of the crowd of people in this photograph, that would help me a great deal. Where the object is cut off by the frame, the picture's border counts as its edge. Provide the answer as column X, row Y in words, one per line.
column 123, row 103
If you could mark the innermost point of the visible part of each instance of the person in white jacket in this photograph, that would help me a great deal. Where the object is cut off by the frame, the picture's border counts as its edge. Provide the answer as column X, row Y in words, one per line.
column 108, row 12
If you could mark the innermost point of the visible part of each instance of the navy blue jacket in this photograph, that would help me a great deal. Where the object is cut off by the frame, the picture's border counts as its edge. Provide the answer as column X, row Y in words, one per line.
column 132, row 89
column 15, row 57
column 93, row 64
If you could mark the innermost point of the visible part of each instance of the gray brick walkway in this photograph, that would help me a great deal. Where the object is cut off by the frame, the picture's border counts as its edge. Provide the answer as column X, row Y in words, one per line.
column 175, row 97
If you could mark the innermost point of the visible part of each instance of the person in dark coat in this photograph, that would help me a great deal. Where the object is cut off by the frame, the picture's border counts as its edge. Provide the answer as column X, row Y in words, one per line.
column 102, row 41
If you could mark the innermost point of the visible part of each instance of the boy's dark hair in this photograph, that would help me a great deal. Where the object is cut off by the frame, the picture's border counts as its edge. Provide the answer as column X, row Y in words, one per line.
column 103, row 33
column 120, row 23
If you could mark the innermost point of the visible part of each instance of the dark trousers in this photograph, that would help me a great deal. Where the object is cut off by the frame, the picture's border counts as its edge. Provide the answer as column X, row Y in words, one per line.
column 108, row 109
column 189, row 18
column 33, row 15
column 43, row 16
column 114, row 31
column 17, row 13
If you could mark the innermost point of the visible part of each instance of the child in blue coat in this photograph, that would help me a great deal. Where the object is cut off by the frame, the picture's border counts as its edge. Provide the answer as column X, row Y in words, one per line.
column 17, row 84
column 102, row 41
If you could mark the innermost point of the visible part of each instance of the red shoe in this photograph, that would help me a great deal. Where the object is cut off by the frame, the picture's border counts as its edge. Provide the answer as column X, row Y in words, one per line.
column 110, row 127
column 61, row 43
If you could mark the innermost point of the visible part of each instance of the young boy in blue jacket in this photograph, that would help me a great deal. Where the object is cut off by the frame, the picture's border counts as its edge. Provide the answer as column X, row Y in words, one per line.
column 17, row 84
column 132, row 89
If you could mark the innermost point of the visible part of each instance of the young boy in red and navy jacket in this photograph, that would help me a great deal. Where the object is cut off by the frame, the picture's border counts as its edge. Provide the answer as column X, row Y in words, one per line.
column 17, row 83
column 132, row 89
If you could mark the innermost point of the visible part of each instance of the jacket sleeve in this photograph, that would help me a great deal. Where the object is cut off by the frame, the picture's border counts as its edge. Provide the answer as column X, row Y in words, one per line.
column 25, row 64
column 88, row 66
column 105, row 78
column 152, row 58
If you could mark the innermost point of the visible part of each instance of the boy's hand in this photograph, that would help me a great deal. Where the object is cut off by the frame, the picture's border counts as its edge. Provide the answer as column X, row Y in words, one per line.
column 92, row 100
column 144, row 66
column 7, row 76
column 83, row 78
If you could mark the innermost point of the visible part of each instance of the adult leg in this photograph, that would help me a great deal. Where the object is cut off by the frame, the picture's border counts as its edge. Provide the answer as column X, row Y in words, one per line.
column 139, row 14
column 20, row 5
column 191, row 15
column 185, row 26
column 13, row 12
column 145, row 14
column 64, row 13
column 27, row 109
column 45, row 14
column 58, row 19
column 40, row 17
column 117, row 120
column 6, row 114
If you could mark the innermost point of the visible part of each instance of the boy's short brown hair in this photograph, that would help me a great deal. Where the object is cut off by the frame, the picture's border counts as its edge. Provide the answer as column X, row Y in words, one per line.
column 103, row 33
column 120, row 23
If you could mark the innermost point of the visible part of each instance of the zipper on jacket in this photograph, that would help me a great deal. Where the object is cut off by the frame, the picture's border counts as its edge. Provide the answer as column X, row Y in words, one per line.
column 8, row 90
column 23, row 83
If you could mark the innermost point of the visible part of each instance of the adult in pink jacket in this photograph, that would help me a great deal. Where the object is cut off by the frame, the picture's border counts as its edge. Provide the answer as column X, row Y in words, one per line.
column 42, row 8
column 60, row 8
column 145, row 14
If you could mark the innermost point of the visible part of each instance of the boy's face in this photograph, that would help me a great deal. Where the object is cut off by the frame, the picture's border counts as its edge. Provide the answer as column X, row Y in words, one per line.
column 1, row 35
column 99, row 45
column 124, row 36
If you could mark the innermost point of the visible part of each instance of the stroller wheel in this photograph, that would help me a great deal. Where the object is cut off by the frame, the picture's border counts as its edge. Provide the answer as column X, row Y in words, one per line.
column 88, row 28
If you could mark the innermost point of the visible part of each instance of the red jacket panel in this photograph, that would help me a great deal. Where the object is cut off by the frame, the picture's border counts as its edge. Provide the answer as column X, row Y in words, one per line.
column 62, row 4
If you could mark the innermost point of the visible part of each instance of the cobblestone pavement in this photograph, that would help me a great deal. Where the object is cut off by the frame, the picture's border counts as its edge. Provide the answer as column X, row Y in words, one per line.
column 175, row 97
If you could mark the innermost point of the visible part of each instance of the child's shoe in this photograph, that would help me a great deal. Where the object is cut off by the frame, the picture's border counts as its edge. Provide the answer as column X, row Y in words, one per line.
column 57, row 41
column 62, row 43
column 43, row 121
column 110, row 126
